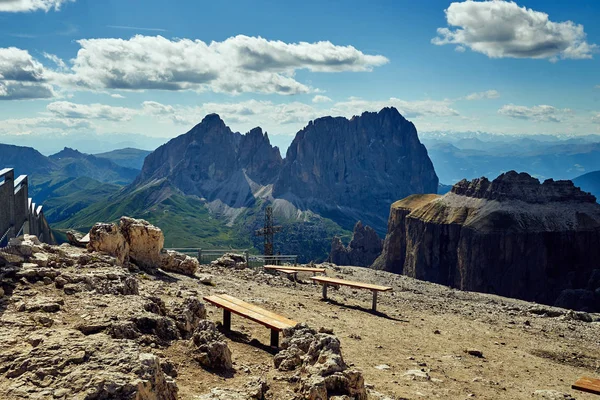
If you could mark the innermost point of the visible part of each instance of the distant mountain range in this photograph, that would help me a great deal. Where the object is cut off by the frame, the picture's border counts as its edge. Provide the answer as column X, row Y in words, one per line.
column 589, row 182
column 461, row 156
column 209, row 187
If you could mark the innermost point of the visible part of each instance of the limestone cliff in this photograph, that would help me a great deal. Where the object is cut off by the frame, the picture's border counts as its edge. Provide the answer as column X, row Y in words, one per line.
column 349, row 168
column 513, row 236
column 362, row 250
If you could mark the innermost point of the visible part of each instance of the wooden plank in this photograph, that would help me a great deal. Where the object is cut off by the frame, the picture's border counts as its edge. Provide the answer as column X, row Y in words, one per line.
column 248, row 313
column 589, row 385
column 360, row 285
column 286, row 271
column 298, row 269
column 259, row 310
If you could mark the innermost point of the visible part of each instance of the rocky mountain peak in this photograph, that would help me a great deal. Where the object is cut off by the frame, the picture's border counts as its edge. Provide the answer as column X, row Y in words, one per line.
column 376, row 156
column 522, row 186
column 68, row 152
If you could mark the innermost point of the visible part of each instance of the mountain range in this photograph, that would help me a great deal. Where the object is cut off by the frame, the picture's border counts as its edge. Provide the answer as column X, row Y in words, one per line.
column 209, row 187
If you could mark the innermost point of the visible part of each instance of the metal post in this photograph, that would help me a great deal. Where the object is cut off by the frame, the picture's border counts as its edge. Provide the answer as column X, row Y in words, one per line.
column 274, row 338
column 325, row 291
column 200, row 256
column 226, row 320
column 374, row 307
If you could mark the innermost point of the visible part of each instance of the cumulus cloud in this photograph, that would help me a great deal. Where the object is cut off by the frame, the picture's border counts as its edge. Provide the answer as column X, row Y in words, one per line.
column 27, row 126
column 488, row 94
column 65, row 109
column 542, row 113
column 31, row 5
column 503, row 29
column 11, row 90
column 596, row 118
column 409, row 109
column 321, row 99
column 22, row 77
column 236, row 65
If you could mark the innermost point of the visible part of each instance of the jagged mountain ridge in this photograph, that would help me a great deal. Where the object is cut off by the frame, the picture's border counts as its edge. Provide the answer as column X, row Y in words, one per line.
column 234, row 176
column 344, row 169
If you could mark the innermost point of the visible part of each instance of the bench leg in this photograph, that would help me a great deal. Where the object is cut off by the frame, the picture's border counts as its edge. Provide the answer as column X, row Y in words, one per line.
column 274, row 338
column 325, row 291
column 374, row 307
column 226, row 320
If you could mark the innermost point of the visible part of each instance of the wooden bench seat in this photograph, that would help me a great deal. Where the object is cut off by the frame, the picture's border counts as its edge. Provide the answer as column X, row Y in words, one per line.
column 230, row 304
column 297, row 269
column 326, row 281
column 589, row 385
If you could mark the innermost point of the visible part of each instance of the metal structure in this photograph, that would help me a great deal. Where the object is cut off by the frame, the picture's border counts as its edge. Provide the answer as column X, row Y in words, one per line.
column 268, row 231
column 18, row 213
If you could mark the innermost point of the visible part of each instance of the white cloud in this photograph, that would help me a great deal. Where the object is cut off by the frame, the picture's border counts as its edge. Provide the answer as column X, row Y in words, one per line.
column 596, row 118
column 543, row 113
column 488, row 94
column 31, row 5
column 409, row 109
column 11, row 90
column 56, row 60
column 597, row 86
column 117, row 96
column 503, row 29
column 22, row 77
column 321, row 99
column 236, row 65
column 27, row 126
column 65, row 109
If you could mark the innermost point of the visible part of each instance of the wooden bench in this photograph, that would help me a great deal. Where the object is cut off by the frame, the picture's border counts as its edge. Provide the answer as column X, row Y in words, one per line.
column 230, row 304
column 325, row 281
column 589, row 385
column 284, row 268
column 293, row 271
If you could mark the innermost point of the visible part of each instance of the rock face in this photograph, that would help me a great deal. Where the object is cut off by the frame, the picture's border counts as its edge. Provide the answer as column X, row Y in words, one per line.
column 214, row 163
column 512, row 236
column 324, row 374
column 363, row 249
column 364, row 163
column 139, row 242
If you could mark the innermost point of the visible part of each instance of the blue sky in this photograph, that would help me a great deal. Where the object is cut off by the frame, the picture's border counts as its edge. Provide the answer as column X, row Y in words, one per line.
column 517, row 68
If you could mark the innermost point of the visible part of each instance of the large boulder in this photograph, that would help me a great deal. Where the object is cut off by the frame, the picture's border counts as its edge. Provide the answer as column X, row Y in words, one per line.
column 231, row 260
column 324, row 372
column 180, row 263
column 145, row 241
column 108, row 238
column 209, row 348
column 139, row 242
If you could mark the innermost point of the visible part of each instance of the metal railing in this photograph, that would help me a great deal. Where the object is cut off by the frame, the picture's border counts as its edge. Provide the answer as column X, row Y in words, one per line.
column 206, row 256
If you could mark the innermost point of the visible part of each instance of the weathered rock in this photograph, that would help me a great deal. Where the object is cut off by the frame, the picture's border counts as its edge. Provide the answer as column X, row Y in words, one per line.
column 256, row 389
column 188, row 315
column 321, row 359
column 363, row 249
column 145, row 242
column 552, row 395
column 77, row 239
column 209, row 348
column 180, row 263
column 231, row 260
column 108, row 238
column 25, row 245
column 70, row 365
column 513, row 237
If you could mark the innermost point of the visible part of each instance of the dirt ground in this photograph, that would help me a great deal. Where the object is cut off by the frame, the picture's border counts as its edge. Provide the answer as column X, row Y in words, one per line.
column 414, row 347
column 419, row 326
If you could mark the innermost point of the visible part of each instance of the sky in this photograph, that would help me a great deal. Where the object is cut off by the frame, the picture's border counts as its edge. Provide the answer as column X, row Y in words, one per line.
column 71, row 68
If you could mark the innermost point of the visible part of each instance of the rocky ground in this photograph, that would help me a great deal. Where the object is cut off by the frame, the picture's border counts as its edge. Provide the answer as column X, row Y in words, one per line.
column 82, row 325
